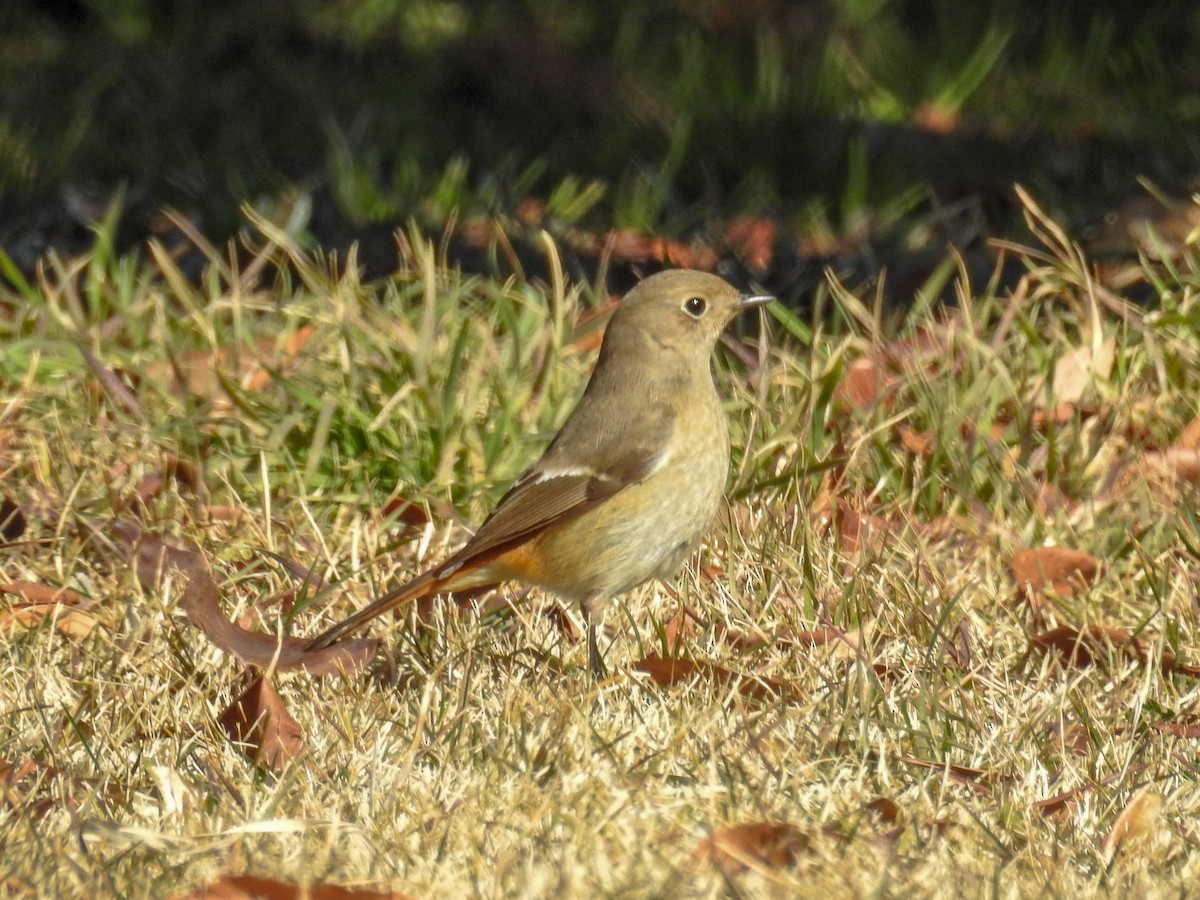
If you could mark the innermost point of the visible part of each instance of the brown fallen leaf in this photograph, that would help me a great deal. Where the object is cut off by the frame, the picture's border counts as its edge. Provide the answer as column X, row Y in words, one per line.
column 682, row 625
column 262, row 728
column 1055, row 806
column 1069, row 737
column 916, row 443
column 963, row 775
column 753, row 845
column 1059, row 569
column 857, row 530
column 670, row 671
column 1185, row 728
column 1180, row 463
column 257, row 887
column 865, row 382
column 1189, row 438
column 1095, row 644
column 635, row 246
column 72, row 622
column 176, row 470
column 752, row 239
column 154, row 560
column 118, row 393
column 12, row 521
column 205, row 373
column 1136, row 820
column 42, row 593
column 885, row 809
column 224, row 513
column 812, row 637
column 407, row 512
column 40, row 602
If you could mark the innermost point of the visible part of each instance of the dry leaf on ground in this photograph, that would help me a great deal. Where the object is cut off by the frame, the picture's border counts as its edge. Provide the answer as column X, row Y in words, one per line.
column 1061, row 569
column 1055, row 806
column 200, row 599
column 753, row 845
column 257, row 887
column 63, row 606
column 1181, row 463
column 1188, row 727
column 1094, row 644
column 1136, row 820
column 963, row 775
column 1079, row 369
column 259, row 723
column 1189, row 438
column 669, row 671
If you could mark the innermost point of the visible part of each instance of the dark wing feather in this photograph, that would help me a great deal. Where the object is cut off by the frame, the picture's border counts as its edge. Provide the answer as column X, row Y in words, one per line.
column 538, row 500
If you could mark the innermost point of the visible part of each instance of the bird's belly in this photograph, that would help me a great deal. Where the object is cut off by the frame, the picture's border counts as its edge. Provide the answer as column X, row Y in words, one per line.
column 645, row 531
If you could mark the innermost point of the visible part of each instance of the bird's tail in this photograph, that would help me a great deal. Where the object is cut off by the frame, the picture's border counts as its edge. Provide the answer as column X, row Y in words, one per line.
column 421, row 586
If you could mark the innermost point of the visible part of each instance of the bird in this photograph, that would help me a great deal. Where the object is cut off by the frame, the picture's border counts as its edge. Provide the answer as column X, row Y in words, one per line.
column 629, row 485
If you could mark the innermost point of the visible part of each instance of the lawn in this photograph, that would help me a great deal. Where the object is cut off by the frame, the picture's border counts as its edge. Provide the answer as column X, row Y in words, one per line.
column 942, row 641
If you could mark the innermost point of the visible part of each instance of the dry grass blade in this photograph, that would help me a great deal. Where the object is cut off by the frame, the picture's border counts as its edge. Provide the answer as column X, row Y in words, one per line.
column 112, row 384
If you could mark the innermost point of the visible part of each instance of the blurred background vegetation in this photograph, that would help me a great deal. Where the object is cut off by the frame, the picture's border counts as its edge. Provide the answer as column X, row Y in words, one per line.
column 850, row 126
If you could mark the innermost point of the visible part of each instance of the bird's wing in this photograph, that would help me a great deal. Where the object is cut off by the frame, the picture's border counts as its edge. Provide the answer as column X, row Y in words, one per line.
column 555, row 491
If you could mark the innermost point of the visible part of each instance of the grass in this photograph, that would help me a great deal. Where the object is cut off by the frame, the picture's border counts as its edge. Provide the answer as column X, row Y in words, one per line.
column 904, row 722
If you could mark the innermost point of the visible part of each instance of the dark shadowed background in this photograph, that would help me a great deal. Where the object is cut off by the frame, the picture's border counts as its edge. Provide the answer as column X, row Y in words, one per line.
column 856, row 131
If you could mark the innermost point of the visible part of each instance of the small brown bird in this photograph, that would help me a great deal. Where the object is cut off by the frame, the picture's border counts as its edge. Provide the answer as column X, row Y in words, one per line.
column 627, row 488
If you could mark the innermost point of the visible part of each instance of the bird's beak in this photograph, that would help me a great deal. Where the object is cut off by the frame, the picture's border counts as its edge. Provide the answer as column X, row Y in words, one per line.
column 749, row 301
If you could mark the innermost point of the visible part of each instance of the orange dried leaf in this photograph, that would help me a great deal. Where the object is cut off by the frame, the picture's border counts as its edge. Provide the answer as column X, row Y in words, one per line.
column 963, row 775
column 1059, row 568
column 858, row 530
column 1136, row 820
column 886, row 810
column 41, row 602
column 1060, row 414
column 223, row 513
column 863, row 384
column 1056, row 805
column 1083, row 647
column 752, row 239
column 73, row 622
column 916, row 443
column 813, row 637
column 256, row 887
column 42, row 593
column 407, row 512
column 1189, row 438
column 261, row 726
column 937, row 117
column 1182, row 463
column 1189, row 728
column 753, row 845
column 670, row 671
column 1093, row 644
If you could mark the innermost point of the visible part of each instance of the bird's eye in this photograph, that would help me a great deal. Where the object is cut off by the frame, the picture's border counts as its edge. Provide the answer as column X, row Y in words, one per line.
column 695, row 306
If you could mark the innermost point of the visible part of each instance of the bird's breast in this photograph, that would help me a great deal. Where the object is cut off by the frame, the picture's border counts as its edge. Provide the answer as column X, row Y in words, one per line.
column 647, row 529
